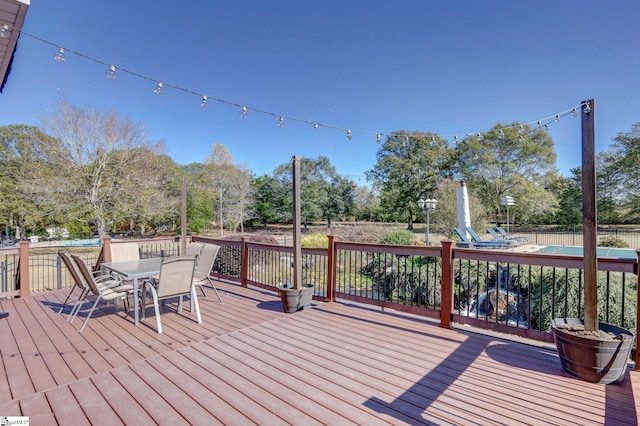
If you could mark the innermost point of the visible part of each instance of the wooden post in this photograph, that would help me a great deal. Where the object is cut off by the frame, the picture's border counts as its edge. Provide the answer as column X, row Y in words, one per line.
column 23, row 271
column 106, row 250
column 331, row 269
column 297, row 223
column 589, row 216
column 183, row 216
column 244, row 263
column 446, row 304
column 637, row 358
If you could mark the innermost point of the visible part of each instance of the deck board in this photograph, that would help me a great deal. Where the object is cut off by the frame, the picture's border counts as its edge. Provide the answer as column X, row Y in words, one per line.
column 249, row 363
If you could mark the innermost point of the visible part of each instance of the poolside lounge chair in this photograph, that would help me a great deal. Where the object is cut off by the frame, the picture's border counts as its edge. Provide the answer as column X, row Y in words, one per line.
column 175, row 280
column 466, row 242
column 204, row 266
column 508, row 236
column 478, row 239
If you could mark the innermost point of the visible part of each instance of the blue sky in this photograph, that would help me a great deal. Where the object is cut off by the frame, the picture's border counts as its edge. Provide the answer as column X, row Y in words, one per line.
column 450, row 67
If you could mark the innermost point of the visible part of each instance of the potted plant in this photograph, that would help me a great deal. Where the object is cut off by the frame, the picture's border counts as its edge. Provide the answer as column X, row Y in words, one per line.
column 591, row 350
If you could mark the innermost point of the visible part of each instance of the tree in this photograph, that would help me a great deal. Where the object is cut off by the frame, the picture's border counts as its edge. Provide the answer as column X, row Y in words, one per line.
column 510, row 160
column 408, row 167
column 621, row 167
column 324, row 193
column 95, row 161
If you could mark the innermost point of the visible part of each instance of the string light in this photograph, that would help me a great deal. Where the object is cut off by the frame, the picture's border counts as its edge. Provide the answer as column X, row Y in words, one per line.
column 111, row 74
column 349, row 135
column 5, row 31
column 204, row 103
column 60, row 55
column 280, row 121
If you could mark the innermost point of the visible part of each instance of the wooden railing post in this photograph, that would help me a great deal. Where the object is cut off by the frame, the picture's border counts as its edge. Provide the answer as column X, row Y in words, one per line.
column 244, row 263
column 637, row 357
column 23, row 270
column 446, row 308
column 331, row 270
column 106, row 249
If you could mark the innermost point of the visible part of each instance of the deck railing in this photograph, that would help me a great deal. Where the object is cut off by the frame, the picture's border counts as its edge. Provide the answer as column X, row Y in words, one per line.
column 517, row 293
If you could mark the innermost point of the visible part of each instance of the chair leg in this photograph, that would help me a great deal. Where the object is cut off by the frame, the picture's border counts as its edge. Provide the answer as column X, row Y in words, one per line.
column 202, row 290
column 67, row 299
column 76, row 307
column 215, row 289
column 89, row 314
column 194, row 303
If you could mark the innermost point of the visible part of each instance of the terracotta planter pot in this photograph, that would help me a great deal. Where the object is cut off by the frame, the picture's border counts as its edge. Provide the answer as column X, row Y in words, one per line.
column 294, row 300
column 593, row 360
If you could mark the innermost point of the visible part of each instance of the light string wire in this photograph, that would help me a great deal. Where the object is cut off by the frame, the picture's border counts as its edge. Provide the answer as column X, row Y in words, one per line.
column 541, row 123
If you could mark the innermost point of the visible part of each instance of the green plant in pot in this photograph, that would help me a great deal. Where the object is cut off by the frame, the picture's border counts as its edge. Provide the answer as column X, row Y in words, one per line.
column 591, row 350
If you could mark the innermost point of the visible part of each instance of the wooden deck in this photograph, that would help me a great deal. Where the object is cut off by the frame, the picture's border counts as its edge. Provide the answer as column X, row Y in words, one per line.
column 249, row 363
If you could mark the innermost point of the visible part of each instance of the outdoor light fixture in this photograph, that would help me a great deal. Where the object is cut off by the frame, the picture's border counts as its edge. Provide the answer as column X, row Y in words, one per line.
column 111, row 74
column 315, row 125
column 508, row 201
column 557, row 118
column 5, row 32
column 280, row 121
column 521, row 129
column 427, row 205
column 480, row 137
column 349, row 135
column 243, row 112
column 204, row 103
column 587, row 108
column 501, row 134
column 158, row 89
column 378, row 138
column 60, row 55
column 574, row 112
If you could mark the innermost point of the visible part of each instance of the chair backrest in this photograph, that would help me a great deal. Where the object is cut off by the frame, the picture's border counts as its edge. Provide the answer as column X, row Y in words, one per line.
column 502, row 231
column 122, row 252
column 194, row 249
column 207, row 258
column 474, row 234
column 462, row 235
column 73, row 270
column 86, row 274
column 176, row 276
column 494, row 234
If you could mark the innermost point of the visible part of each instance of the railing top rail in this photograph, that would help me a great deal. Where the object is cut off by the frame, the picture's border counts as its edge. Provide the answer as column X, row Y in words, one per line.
column 435, row 251
column 538, row 259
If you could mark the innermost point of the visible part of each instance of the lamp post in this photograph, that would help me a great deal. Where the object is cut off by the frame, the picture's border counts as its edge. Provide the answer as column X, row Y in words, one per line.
column 427, row 205
column 508, row 201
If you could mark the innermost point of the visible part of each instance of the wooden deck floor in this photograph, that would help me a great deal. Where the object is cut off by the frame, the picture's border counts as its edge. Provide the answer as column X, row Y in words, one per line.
column 249, row 363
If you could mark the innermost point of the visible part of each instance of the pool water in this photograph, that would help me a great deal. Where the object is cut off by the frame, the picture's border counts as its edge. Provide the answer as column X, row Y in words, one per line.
column 617, row 253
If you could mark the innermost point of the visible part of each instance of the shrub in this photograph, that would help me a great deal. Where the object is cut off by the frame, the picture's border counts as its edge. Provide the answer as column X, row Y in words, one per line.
column 316, row 240
column 612, row 242
column 399, row 237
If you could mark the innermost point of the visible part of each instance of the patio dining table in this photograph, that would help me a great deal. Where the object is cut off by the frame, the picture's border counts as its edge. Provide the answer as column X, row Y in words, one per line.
column 136, row 270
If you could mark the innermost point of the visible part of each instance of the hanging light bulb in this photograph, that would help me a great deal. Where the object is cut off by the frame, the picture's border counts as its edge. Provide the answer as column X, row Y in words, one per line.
column 315, row 125
column 455, row 139
column 60, row 55
column 204, row 102
column 547, row 127
column 587, row 108
column 243, row 112
column 111, row 74
column 539, row 123
column 5, row 32
column 280, row 121
column 521, row 138
column 158, row 89
column 349, row 135
column 574, row 112
column 501, row 134
column 480, row 137
column 433, row 141
column 557, row 118
column 521, row 129
column 378, row 138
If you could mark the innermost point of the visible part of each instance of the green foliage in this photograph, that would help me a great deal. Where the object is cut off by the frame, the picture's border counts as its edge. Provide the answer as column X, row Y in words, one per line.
column 612, row 242
column 316, row 240
column 78, row 229
column 399, row 237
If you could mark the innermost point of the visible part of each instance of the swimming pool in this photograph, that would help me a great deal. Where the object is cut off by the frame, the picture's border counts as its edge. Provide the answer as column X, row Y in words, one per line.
column 617, row 253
